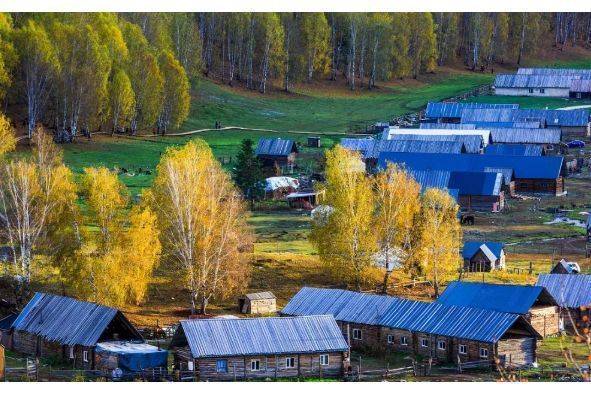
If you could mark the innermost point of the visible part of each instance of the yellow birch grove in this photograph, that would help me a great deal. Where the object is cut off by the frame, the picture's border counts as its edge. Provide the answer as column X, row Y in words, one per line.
column 7, row 138
column 440, row 237
column 397, row 198
column 202, row 221
column 345, row 239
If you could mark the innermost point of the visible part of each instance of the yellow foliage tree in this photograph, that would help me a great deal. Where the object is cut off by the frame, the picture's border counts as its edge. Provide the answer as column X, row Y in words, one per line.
column 202, row 220
column 397, row 200
column 345, row 238
column 7, row 138
column 440, row 236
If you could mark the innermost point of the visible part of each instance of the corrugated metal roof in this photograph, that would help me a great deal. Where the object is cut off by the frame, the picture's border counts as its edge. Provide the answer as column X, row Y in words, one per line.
column 361, row 145
column 260, row 295
column 533, row 81
column 263, row 336
column 508, row 124
column 446, row 126
column 513, row 149
column 454, row 110
column 484, row 133
column 364, row 308
column 569, row 290
column 560, row 118
column 66, row 320
column 420, row 146
column 535, row 167
column 434, row 179
column 476, row 183
column 580, row 85
column 509, row 298
column 471, row 247
column 451, row 321
column 275, row 147
column 526, row 136
column 317, row 301
column 507, row 173
column 472, row 143
column 553, row 71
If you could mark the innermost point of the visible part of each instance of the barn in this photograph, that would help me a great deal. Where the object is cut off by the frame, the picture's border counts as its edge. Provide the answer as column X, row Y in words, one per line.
column 257, row 303
column 483, row 256
column 565, row 267
column 78, row 333
column 573, row 294
column 274, row 152
column 532, row 174
column 447, row 333
column 534, row 303
column 260, row 348
column 533, row 85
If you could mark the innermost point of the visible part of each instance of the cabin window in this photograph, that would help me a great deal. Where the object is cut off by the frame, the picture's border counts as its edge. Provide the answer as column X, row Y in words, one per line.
column 579, row 95
column 85, row 356
column 484, row 352
column 356, row 334
column 463, row 349
column 221, row 366
column 542, row 90
column 255, row 365
column 390, row 339
column 531, row 90
column 441, row 345
column 324, row 359
column 190, row 365
column 72, row 352
column 424, row 342
column 403, row 340
column 290, row 362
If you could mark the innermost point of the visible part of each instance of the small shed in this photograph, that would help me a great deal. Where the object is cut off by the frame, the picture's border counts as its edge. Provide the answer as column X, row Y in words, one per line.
column 276, row 151
column 313, row 141
column 258, row 302
column 306, row 200
column 573, row 294
column 483, row 256
column 565, row 267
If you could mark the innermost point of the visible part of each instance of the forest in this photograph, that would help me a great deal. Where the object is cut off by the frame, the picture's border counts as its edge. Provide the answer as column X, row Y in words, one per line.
column 79, row 73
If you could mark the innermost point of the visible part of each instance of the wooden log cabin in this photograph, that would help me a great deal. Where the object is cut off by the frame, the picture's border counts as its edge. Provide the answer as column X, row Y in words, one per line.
column 260, row 348
column 534, row 303
column 573, row 293
column 448, row 333
column 73, row 331
column 276, row 153
column 483, row 256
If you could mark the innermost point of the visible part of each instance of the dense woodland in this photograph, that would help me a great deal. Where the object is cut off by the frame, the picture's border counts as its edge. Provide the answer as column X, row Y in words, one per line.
column 78, row 73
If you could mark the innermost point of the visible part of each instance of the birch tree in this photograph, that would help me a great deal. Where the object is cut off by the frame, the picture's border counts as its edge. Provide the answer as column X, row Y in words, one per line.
column 271, row 41
column 440, row 236
column 121, row 100
column 175, row 93
column 7, row 136
column 315, row 35
column 202, row 221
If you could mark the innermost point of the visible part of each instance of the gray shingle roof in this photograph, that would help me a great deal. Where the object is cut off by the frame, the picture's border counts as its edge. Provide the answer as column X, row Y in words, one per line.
column 454, row 110
column 275, row 147
column 557, row 118
column 533, row 81
column 540, row 136
column 553, row 71
column 472, row 143
column 262, row 336
column 66, row 320
column 260, row 295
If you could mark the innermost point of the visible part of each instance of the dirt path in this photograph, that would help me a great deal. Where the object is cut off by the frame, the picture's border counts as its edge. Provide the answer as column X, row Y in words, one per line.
column 584, row 106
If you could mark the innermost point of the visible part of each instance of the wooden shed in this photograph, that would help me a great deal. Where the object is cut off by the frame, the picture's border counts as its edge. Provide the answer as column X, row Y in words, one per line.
column 278, row 152
column 573, row 294
column 565, row 267
column 257, row 303
column 483, row 256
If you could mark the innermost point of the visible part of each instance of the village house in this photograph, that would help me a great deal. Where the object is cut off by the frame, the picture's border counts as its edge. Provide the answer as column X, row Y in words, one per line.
column 451, row 112
column 260, row 348
column 400, row 133
column 82, row 334
column 257, row 303
column 540, row 175
column 447, row 333
column 565, row 267
column 573, row 293
column 534, row 303
column 276, row 152
column 483, row 256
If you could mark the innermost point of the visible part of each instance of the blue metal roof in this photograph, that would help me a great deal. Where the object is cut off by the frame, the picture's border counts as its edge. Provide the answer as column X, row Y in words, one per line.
column 66, row 320
column 454, row 110
column 526, row 136
column 415, row 145
column 553, row 71
column 275, row 147
column 569, row 290
column 361, row 145
column 471, row 247
column 476, row 183
column 472, row 143
column 365, row 308
column 533, row 81
column 263, row 336
column 446, row 126
column 534, row 167
column 507, row 298
column 556, row 118
column 483, row 325
column 513, row 149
